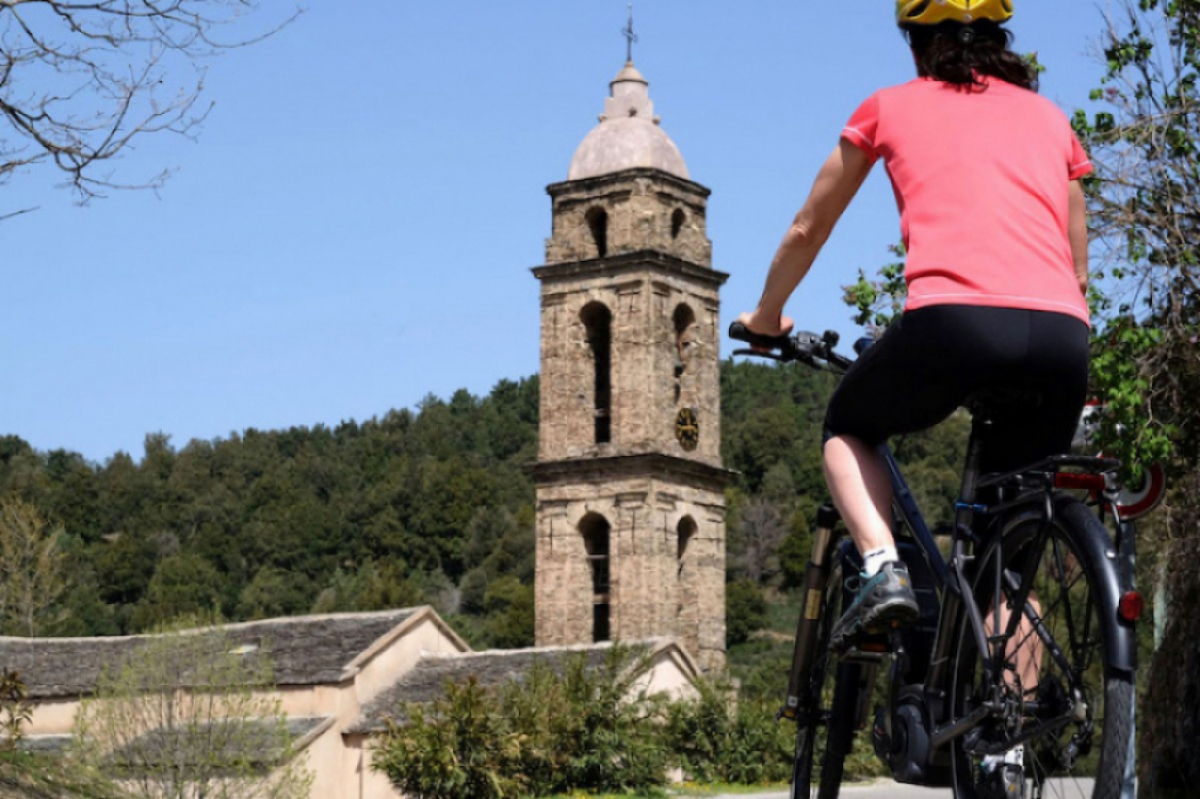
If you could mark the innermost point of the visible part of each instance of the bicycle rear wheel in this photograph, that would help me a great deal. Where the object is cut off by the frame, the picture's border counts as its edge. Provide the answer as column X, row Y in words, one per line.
column 1057, row 693
column 825, row 727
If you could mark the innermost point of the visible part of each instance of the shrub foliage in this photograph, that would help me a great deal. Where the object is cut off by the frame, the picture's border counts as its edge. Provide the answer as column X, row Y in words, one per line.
column 582, row 727
column 718, row 738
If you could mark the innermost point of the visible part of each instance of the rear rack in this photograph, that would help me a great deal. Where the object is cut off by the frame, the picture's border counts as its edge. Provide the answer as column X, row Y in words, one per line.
column 1059, row 466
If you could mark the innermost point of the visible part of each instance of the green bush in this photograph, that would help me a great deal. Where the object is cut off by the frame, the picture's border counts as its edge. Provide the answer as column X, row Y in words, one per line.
column 581, row 725
column 745, row 611
column 584, row 727
column 720, row 738
column 36, row 776
column 457, row 746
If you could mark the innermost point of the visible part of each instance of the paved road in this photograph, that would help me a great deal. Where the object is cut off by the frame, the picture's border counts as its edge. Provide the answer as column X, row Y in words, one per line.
column 890, row 790
column 880, row 790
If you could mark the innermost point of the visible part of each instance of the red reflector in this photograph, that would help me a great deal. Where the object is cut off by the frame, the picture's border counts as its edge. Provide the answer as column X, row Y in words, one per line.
column 1131, row 606
column 1091, row 482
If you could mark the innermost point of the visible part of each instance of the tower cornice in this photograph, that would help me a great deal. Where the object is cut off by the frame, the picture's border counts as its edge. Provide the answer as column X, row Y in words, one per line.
column 628, row 263
column 600, row 182
column 649, row 464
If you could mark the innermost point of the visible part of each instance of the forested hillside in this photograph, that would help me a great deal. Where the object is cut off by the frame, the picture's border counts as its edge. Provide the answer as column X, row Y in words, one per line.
column 427, row 505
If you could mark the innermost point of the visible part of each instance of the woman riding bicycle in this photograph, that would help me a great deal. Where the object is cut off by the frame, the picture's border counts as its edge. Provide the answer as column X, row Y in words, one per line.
column 987, row 180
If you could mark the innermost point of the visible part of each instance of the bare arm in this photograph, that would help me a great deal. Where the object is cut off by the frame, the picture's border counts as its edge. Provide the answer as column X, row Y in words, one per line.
column 1078, row 233
column 836, row 184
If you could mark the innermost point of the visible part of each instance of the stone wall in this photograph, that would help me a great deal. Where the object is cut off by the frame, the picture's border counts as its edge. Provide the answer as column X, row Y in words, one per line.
column 654, row 372
column 645, row 210
column 629, row 279
column 654, row 591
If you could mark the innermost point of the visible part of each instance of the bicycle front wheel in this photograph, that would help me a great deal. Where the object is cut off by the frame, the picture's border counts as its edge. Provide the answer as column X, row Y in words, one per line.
column 1054, row 690
column 825, row 728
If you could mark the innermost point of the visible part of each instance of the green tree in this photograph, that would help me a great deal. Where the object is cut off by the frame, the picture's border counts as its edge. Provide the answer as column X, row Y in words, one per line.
column 184, row 584
column 745, row 611
column 1143, row 134
column 1145, row 143
column 373, row 586
column 796, row 551
column 508, row 606
column 24, row 775
column 32, row 575
column 879, row 301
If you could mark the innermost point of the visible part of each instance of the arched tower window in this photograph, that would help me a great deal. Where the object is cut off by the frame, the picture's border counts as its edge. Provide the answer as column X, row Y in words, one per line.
column 597, row 321
column 685, row 531
column 595, row 531
column 677, row 220
column 597, row 220
column 685, row 342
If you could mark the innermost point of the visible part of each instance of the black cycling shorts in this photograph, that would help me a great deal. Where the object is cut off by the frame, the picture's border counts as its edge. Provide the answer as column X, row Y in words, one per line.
column 930, row 361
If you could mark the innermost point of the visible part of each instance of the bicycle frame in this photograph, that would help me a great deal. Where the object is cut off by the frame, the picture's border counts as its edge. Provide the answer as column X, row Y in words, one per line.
column 950, row 581
column 1024, row 502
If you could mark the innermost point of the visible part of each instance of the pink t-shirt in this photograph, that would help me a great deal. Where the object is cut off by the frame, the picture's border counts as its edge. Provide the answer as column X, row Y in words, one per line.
column 981, row 180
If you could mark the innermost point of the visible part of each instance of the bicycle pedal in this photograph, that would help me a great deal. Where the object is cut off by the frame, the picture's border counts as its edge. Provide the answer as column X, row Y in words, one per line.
column 869, row 649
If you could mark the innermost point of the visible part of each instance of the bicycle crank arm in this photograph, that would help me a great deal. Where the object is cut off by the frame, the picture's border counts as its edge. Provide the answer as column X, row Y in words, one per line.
column 1030, row 733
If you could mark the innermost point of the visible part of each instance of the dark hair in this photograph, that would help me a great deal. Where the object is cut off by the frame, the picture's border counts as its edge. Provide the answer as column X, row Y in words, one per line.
column 959, row 54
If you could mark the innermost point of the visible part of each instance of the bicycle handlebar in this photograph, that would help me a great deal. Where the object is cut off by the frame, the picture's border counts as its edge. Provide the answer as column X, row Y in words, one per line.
column 807, row 348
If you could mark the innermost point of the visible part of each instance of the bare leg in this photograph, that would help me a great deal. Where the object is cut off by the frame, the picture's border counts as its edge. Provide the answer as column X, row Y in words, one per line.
column 862, row 491
column 1025, row 649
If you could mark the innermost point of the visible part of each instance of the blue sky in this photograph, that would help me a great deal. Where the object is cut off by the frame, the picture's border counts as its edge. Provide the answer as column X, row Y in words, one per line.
column 353, row 229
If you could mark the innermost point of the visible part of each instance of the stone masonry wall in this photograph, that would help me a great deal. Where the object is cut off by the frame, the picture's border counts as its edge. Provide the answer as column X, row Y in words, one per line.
column 641, row 208
column 654, row 373
column 653, row 592
column 648, row 262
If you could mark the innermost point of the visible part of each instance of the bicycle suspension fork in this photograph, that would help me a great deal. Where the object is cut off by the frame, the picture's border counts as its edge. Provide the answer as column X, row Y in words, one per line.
column 816, row 580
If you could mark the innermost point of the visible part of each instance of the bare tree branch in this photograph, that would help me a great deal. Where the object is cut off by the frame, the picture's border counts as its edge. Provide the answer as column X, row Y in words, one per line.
column 80, row 81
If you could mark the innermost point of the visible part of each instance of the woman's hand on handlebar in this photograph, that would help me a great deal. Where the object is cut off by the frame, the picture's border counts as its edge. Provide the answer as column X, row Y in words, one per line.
column 771, row 328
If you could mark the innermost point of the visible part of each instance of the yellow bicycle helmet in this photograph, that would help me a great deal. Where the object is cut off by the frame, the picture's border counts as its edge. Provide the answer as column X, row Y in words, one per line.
column 931, row 12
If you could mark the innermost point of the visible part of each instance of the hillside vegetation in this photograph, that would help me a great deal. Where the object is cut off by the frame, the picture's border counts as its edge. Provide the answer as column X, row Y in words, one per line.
column 427, row 505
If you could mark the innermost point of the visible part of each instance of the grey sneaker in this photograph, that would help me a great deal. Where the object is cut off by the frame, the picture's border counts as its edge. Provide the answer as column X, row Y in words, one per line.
column 1006, row 781
column 884, row 602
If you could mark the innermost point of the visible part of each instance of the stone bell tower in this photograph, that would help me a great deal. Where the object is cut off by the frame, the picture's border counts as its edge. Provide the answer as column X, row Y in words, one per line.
column 630, row 503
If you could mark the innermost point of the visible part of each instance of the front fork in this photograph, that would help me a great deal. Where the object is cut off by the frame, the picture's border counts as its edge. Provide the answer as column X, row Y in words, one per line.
column 816, row 579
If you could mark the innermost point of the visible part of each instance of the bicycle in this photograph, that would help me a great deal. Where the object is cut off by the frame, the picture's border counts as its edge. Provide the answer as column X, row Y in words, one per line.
column 1031, row 569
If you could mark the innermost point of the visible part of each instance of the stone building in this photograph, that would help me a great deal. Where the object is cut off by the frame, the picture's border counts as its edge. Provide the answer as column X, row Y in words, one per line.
column 339, row 678
column 630, row 504
column 327, row 669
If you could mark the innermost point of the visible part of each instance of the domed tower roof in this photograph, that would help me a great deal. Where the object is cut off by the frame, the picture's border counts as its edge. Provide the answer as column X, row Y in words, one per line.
column 628, row 135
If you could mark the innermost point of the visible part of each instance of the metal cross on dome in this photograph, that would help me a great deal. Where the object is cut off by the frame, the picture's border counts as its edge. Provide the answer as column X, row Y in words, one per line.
column 630, row 36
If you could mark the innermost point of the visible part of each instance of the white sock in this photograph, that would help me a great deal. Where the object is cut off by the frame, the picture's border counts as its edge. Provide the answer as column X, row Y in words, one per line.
column 873, row 560
column 1014, row 756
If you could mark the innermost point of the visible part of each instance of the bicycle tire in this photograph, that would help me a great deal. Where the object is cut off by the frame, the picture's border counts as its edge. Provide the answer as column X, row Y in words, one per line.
column 831, row 702
column 1059, row 761
column 839, row 739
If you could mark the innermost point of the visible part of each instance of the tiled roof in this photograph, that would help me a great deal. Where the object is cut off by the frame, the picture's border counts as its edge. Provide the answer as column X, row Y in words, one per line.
column 304, row 650
column 254, row 742
column 45, row 744
column 426, row 681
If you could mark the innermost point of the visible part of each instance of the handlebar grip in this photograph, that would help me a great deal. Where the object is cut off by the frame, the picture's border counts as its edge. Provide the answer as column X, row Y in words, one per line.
column 740, row 332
